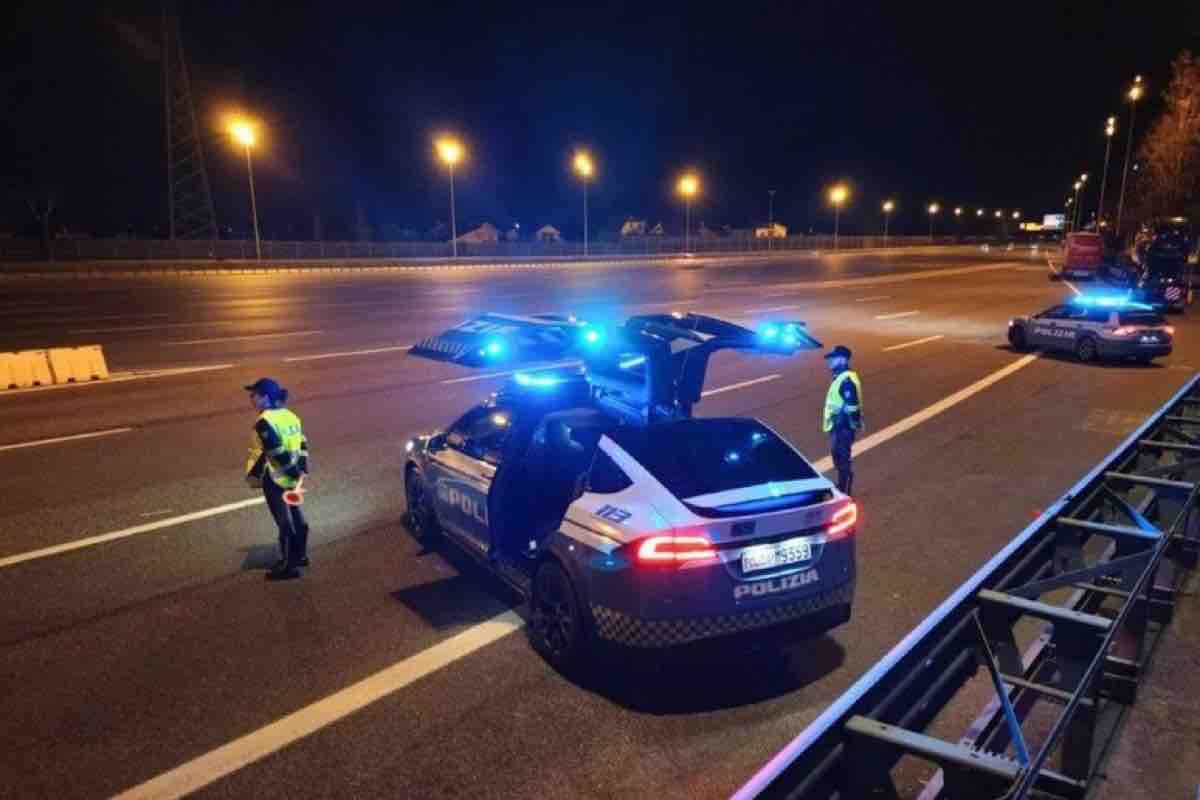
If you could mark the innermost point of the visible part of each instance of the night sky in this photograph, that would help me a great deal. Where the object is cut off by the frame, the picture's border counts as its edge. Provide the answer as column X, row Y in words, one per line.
column 992, row 104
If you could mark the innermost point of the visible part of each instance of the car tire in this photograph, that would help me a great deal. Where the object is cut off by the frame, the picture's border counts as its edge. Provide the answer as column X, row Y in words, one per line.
column 559, row 627
column 1016, row 338
column 1086, row 350
column 420, row 516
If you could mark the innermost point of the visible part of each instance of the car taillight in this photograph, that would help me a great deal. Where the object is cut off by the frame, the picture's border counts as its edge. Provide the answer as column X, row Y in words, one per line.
column 843, row 522
column 675, row 548
column 1169, row 329
column 1124, row 330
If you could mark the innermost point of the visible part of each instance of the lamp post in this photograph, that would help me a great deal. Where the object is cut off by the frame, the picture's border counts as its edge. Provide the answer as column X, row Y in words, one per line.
column 1081, row 218
column 837, row 196
column 1110, row 128
column 244, row 134
column 450, row 151
column 770, row 217
column 888, row 207
column 1075, row 214
column 689, row 184
column 1135, row 94
column 933, row 209
column 584, row 168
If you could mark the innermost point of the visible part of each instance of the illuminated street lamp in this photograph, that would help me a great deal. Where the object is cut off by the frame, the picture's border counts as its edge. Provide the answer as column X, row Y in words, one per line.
column 450, row 151
column 979, row 212
column 933, row 210
column 1134, row 94
column 584, row 169
column 689, row 184
column 1110, row 127
column 1016, row 215
column 1075, row 216
column 998, row 214
column 888, row 207
column 242, row 131
column 837, row 196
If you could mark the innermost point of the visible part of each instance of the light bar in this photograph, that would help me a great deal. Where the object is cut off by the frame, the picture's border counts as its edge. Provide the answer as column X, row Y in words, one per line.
column 537, row 381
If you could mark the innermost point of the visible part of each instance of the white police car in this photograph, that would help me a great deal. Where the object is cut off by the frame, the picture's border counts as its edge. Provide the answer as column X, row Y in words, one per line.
column 593, row 490
column 1093, row 327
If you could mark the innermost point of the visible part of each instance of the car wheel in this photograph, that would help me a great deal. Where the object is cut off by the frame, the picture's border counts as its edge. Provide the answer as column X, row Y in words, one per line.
column 558, row 627
column 1085, row 349
column 420, row 515
column 1016, row 337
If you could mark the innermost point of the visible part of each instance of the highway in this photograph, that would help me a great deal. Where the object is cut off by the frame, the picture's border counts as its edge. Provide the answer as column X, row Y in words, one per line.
column 141, row 649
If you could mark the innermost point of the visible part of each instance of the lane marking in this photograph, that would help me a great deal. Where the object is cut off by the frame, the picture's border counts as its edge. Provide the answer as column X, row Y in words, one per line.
column 119, row 378
column 164, row 326
column 898, row 315
column 157, row 513
column 71, row 438
column 506, row 373
column 741, row 385
column 914, row 343
column 873, row 298
column 900, row 277
column 1072, row 286
column 273, row 737
column 244, row 338
column 479, row 377
column 769, row 310
column 929, row 412
column 319, row 356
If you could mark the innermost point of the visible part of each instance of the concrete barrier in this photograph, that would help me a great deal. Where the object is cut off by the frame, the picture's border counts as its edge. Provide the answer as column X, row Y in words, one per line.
column 29, row 368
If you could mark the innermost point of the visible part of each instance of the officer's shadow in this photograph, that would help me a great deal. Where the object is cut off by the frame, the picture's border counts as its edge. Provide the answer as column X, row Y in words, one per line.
column 259, row 556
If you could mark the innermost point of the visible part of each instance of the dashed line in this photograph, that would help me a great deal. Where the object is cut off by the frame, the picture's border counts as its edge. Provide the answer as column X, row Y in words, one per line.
column 742, row 385
column 71, row 438
column 244, row 338
column 914, row 343
column 319, row 356
column 773, row 308
column 873, row 298
column 898, row 315
column 119, row 378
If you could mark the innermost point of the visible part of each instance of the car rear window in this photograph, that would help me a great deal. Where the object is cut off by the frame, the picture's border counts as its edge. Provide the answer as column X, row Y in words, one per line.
column 1141, row 318
column 700, row 456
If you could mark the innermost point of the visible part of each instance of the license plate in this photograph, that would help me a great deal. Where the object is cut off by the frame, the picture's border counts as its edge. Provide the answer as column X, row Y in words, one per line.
column 780, row 554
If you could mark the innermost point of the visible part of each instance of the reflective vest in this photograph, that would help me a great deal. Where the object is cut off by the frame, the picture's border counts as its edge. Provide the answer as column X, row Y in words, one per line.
column 291, row 437
column 834, row 404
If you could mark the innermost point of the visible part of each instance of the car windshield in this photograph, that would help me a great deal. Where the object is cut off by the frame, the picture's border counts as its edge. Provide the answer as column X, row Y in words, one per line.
column 1141, row 318
column 700, row 456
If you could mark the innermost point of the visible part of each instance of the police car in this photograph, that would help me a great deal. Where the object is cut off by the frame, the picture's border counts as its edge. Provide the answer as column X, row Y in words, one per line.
column 1095, row 327
column 593, row 489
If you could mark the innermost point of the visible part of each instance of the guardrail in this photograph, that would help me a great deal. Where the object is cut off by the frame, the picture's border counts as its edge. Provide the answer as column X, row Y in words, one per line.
column 1118, row 542
column 242, row 250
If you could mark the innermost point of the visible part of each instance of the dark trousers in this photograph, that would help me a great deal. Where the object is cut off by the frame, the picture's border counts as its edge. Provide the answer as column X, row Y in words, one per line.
column 841, row 439
column 293, row 528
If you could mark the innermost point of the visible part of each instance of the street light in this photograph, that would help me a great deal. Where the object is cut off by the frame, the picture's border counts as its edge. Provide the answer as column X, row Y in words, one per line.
column 888, row 207
column 1016, row 215
column 689, row 184
column 243, row 133
column 979, row 212
column 933, row 209
column 1075, row 215
column 450, row 151
column 1110, row 127
column 1135, row 94
column 837, row 196
column 584, row 168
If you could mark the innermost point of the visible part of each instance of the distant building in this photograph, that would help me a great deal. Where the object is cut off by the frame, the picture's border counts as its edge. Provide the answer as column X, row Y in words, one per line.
column 485, row 233
column 548, row 233
column 774, row 231
column 633, row 227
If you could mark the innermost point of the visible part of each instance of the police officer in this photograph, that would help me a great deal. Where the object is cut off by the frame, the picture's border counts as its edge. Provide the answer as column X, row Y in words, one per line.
column 842, row 419
column 278, row 462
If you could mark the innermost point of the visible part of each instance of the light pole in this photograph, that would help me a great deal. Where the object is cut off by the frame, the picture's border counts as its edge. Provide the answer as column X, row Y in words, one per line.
column 1081, row 218
column 584, row 168
column 689, row 184
column 1075, row 215
column 888, row 207
column 770, row 217
column 1110, row 128
column 837, row 196
column 450, row 151
column 1135, row 94
column 1068, row 215
column 934, row 208
column 243, row 132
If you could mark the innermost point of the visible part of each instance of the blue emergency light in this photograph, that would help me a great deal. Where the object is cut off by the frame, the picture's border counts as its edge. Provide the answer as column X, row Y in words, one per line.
column 494, row 348
column 1109, row 301
column 537, row 381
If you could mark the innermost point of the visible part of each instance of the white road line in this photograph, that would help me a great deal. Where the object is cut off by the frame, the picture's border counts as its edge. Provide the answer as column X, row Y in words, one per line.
column 119, row 378
column 124, row 533
column 842, row 283
column 506, row 373
column 229, row 758
column 164, row 326
column 914, row 343
column 71, row 438
column 873, row 298
column 741, row 385
column 243, row 338
column 483, row 377
column 929, row 412
column 898, row 315
column 156, row 513
column 769, row 310
column 319, row 356
column 1072, row 286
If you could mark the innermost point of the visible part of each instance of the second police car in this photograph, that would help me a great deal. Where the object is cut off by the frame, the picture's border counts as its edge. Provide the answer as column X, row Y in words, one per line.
column 1095, row 327
column 593, row 489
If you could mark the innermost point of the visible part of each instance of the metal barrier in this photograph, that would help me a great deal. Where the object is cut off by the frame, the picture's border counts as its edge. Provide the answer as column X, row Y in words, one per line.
column 1118, row 543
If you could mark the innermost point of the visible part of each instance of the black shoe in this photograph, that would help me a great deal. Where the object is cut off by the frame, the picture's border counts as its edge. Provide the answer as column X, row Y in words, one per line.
column 302, row 562
column 285, row 574
column 278, row 565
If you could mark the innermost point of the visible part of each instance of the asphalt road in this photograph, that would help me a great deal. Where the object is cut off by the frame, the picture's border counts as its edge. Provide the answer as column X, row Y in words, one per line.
column 123, row 660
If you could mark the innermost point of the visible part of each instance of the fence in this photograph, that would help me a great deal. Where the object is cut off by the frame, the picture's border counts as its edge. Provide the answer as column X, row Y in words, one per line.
column 241, row 250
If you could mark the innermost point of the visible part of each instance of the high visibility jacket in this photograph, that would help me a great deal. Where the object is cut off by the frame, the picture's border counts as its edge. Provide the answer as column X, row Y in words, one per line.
column 836, row 403
column 279, row 447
